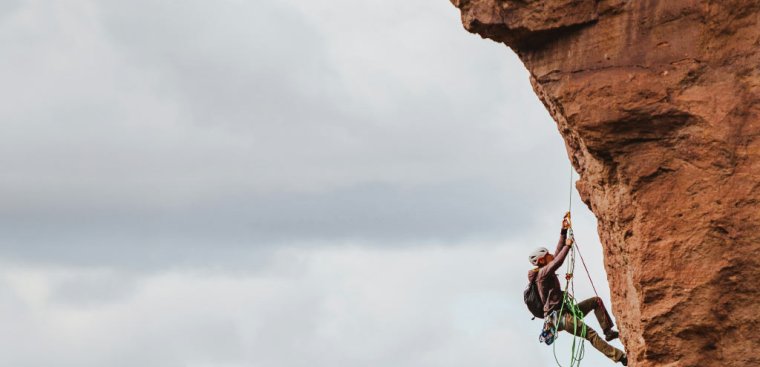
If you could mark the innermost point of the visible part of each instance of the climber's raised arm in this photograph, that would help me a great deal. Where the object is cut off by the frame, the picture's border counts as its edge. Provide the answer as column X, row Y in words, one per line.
column 563, row 234
column 553, row 265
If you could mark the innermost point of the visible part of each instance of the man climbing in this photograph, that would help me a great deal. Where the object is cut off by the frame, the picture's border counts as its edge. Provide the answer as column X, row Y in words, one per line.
column 550, row 292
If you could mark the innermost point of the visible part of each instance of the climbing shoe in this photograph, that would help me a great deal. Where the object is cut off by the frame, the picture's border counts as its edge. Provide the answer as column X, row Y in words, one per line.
column 624, row 360
column 611, row 335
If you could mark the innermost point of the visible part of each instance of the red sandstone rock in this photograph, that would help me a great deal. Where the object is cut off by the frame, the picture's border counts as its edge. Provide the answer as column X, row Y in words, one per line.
column 659, row 106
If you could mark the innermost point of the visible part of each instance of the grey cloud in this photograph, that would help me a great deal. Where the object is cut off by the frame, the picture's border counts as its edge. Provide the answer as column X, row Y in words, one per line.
column 287, row 183
column 161, row 134
column 405, row 306
column 213, row 230
column 9, row 6
column 236, row 63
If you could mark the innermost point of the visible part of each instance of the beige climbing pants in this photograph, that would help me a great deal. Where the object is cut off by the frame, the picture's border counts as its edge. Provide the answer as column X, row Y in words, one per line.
column 575, row 326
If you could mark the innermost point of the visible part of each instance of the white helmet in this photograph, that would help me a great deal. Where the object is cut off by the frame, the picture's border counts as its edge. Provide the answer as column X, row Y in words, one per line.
column 537, row 254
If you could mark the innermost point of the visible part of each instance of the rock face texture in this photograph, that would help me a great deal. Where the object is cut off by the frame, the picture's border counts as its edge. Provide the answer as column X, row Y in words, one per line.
column 659, row 105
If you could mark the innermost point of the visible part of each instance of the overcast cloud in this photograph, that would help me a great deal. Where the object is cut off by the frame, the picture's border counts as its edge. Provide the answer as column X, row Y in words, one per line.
column 286, row 183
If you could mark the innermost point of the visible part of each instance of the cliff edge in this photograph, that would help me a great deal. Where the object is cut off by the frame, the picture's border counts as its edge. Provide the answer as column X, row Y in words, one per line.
column 659, row 106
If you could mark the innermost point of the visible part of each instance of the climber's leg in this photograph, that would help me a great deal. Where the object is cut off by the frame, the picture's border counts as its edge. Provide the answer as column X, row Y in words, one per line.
column 605, row 321
column 575, row 326
column 588, row 305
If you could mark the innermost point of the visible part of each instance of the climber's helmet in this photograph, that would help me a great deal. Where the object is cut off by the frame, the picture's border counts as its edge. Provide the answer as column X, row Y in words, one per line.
column 537, row 255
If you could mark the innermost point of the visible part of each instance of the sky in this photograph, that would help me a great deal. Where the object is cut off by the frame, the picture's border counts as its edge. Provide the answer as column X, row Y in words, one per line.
column 277, row 184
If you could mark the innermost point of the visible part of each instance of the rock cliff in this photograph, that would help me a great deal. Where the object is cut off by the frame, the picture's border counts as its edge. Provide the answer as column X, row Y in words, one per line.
column 659, row 106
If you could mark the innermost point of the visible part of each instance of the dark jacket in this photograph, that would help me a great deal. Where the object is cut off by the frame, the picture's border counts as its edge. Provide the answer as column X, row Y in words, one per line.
column 549, row 288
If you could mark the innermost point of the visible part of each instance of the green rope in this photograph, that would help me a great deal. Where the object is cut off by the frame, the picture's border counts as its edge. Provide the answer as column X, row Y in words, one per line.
column 577, row 351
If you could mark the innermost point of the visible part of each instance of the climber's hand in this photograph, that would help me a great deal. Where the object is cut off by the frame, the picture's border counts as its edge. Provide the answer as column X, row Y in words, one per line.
column 569, row 241
column 566, row 221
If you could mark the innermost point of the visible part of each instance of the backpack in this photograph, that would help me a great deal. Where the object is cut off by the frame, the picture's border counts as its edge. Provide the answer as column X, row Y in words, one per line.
column 533, row 300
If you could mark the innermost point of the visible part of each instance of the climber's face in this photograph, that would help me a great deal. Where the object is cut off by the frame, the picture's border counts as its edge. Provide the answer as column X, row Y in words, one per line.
column 545, row 260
